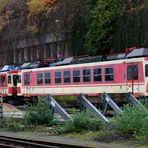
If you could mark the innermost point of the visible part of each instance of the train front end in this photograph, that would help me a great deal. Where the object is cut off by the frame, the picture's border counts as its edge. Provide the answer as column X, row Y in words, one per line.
column 14, row 83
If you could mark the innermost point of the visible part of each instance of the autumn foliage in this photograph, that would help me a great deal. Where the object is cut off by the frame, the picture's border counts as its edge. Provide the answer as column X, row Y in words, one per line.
column 40, row 6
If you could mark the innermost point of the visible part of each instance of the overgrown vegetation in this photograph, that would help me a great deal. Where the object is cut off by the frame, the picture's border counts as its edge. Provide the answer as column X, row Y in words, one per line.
column 133, row 122
column 81, row 122
column 38, row 114
column 11, row 124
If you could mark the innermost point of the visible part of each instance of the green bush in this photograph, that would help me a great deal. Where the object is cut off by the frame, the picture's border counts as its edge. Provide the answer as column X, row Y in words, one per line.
column 144, row 101
column 11, row 124
column 133, row 121
column 38, row 114
column 81, row 122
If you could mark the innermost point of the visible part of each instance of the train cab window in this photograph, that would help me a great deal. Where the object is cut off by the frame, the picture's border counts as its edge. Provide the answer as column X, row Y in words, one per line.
column 66, row 76
column 58, row 77
column 76, row 76
column 86, row 75
column 97, row 75
column 39, row 78
column 9, row 79
column 146, row 70
column 15, row 79
column 26, row 78
column 109, row 74
column 47, row 78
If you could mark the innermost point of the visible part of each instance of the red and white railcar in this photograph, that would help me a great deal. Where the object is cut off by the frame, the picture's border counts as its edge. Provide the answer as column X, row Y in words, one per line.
column 116, row 76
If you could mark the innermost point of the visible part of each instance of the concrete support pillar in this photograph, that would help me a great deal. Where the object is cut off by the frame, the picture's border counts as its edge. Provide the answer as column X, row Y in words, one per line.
column 38, row 52
column 25, row 54
column 15, row 56
column 58, row 49
column 31, row 54
column 51, row 51
column 19, row 56
column 44, row 51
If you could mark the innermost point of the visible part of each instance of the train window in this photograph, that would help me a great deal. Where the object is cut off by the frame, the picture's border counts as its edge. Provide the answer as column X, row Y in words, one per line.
column 26, row 78
column 97, row 74
column 39, row 78
column 135, row 72
column 132, row 72
column 146, row 70
column 109, row 74
column 15, row 79
column 9, row 79
column 19, row 79
column 86, row 75
column 58, row 78
column 129, row 72
column 47, row 78
column 76, row 76
column 66, row 76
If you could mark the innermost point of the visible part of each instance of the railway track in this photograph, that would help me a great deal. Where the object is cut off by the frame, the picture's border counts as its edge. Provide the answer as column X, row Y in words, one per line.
column 14, row 142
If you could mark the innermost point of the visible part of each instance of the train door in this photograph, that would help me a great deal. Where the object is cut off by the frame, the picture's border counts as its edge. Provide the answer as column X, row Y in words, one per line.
column 133, row 78
column 12, row 84
column 27, row 84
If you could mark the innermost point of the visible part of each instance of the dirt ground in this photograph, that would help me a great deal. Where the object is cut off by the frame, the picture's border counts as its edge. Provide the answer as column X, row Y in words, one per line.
column 10, row 108
column 92, row 143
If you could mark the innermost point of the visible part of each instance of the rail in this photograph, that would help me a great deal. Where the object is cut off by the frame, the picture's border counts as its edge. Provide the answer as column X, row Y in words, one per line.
column 11, row 142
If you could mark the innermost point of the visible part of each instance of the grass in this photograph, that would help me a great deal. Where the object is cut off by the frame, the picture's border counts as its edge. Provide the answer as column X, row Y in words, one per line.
column 87, row 135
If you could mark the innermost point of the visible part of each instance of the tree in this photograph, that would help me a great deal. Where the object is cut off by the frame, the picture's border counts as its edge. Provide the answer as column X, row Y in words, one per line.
column 101, row 23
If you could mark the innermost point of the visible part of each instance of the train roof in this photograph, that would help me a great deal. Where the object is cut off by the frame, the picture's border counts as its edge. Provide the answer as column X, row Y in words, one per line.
column 133, row 53
column 139, row 52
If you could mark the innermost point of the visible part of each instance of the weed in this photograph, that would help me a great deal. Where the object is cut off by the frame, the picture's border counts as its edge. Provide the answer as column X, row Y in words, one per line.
column 38, row 114
column 133, row 121
column 11, row 124
column 81, row 122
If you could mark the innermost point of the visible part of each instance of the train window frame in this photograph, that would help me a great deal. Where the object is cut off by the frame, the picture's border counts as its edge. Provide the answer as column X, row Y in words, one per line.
column 99, row 75
column 47, row 78
column 109, row 76
column 76, row 76
column 146, row 70
column 86, row 75
column 26, row 78
column 39, row 78
column 67, row 78
column 58, row 77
